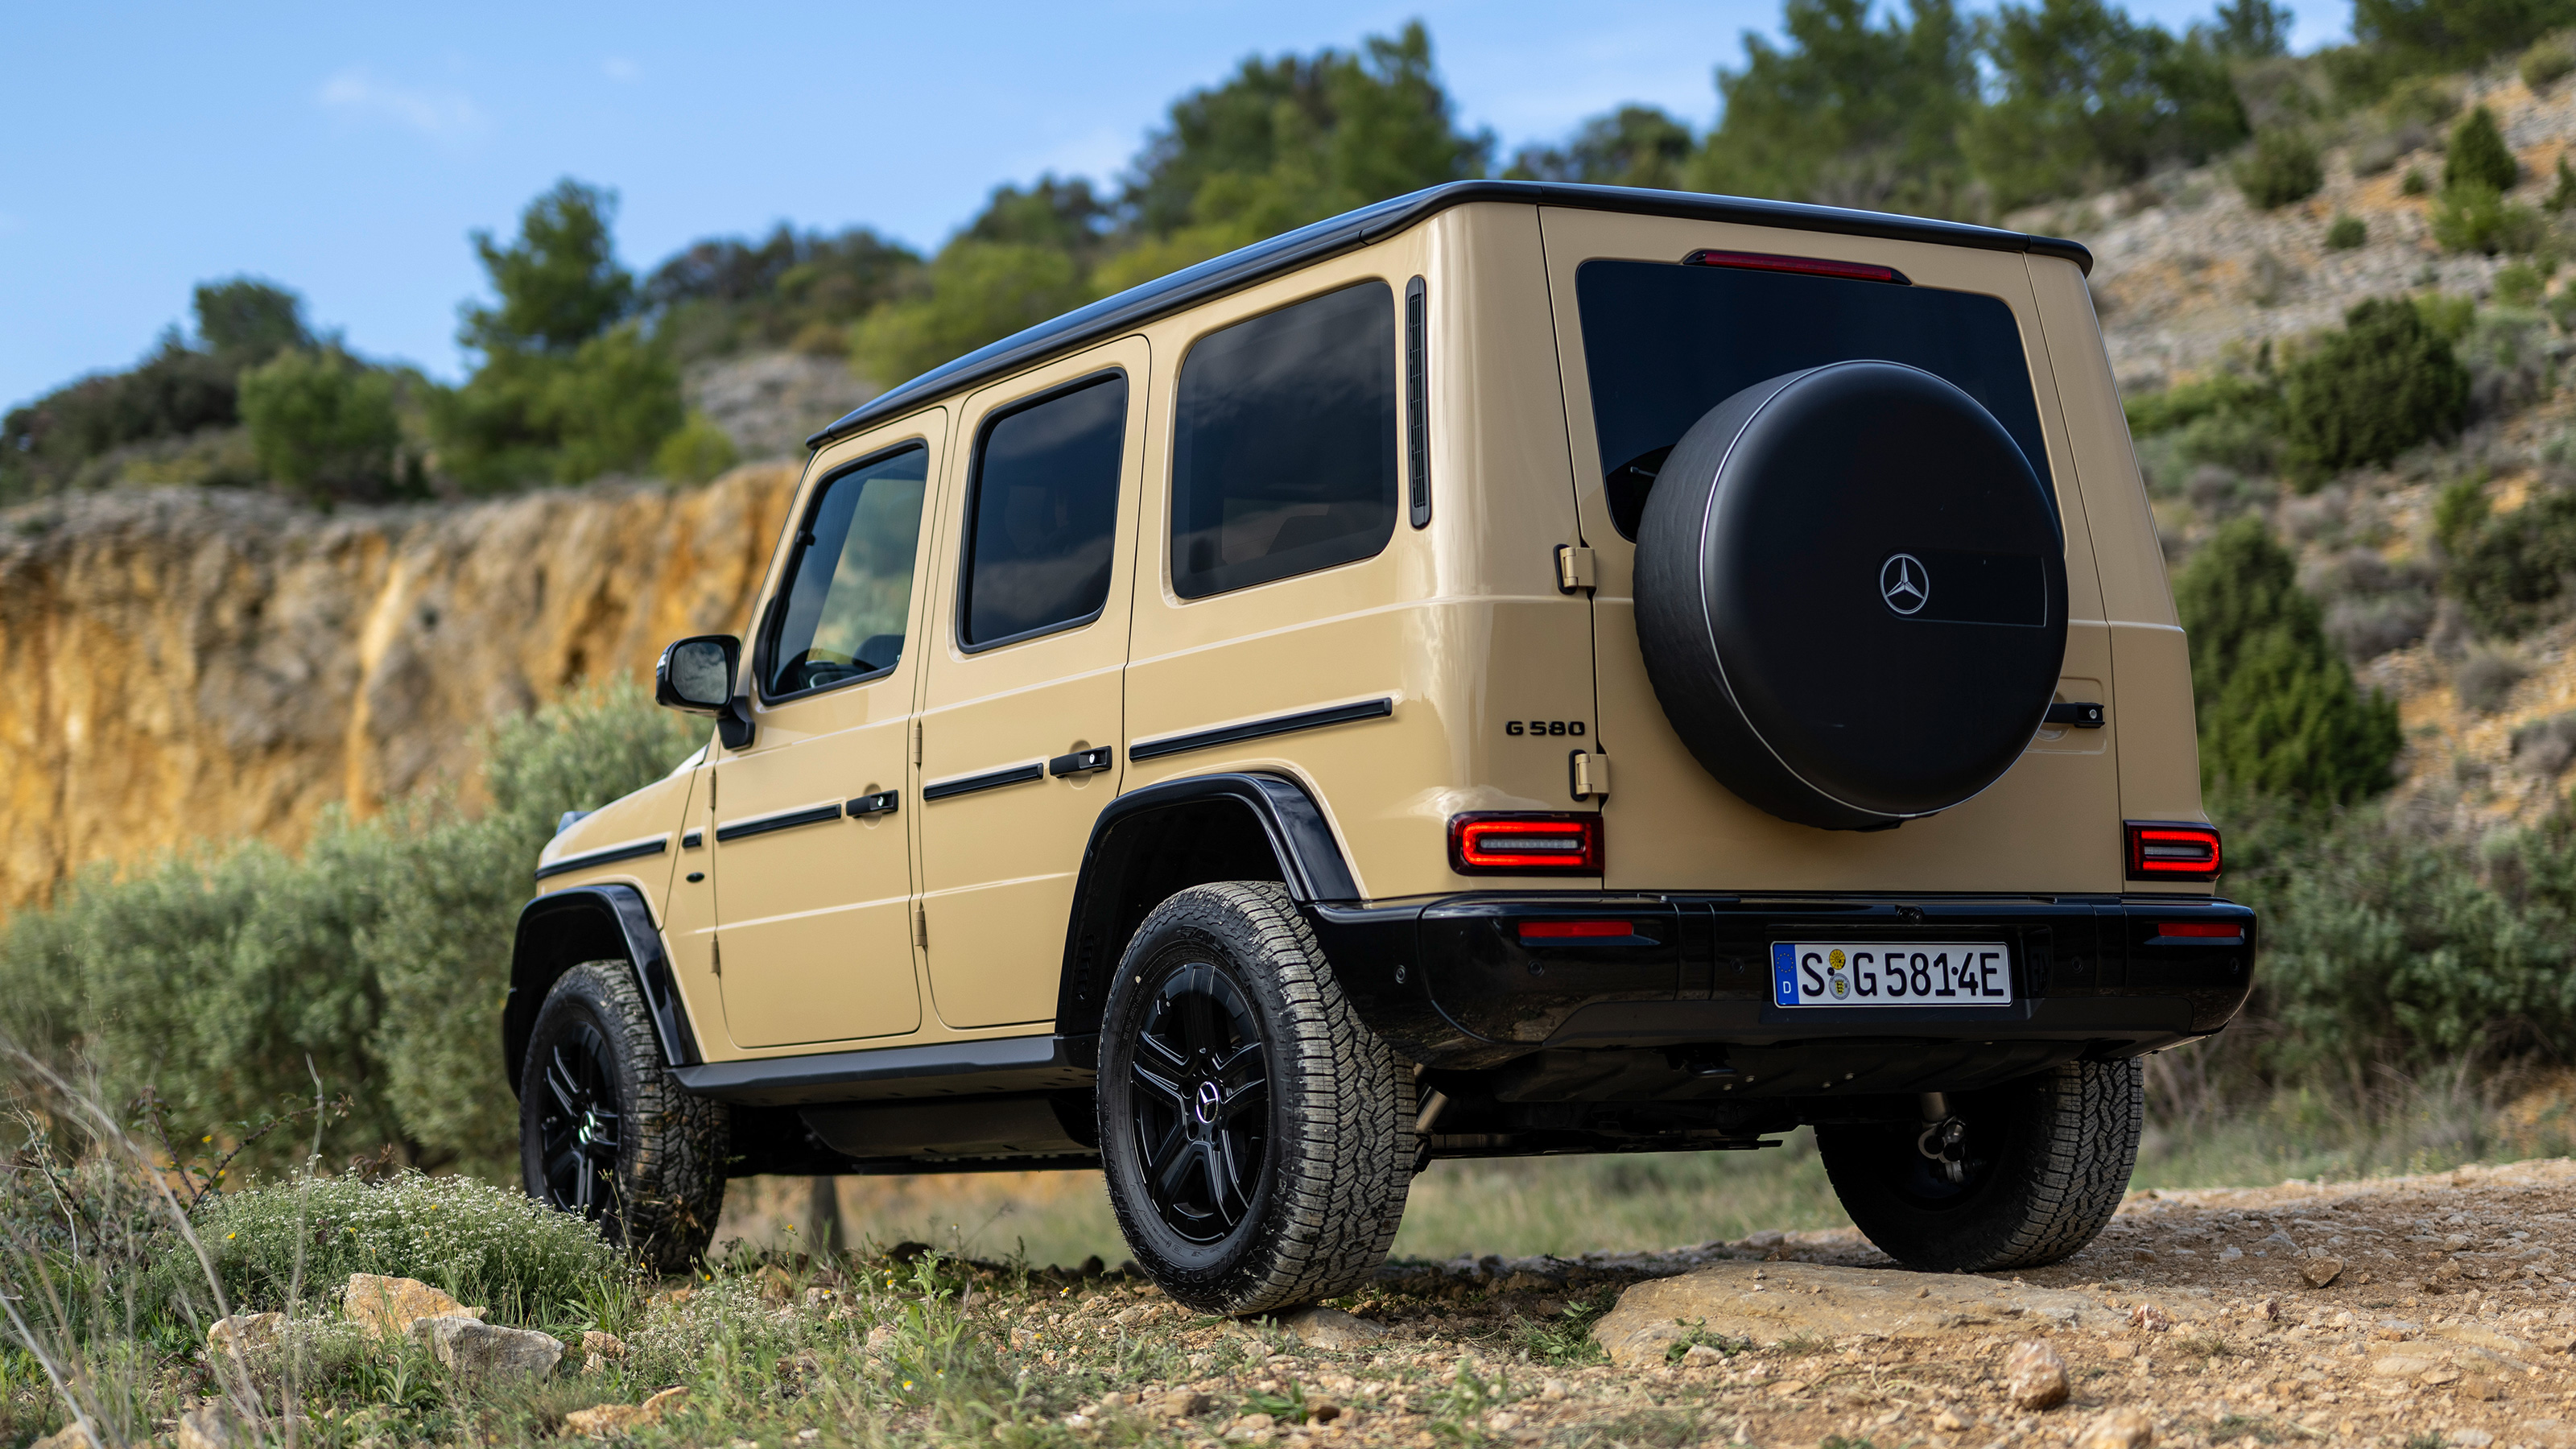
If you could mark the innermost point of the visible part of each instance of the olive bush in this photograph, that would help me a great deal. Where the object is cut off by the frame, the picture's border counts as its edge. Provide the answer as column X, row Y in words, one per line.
column 2383, row 384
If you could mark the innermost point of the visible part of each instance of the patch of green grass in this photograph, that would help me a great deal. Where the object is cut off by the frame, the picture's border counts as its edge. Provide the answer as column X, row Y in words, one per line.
column 1566, row 1338
column 1638, row 1429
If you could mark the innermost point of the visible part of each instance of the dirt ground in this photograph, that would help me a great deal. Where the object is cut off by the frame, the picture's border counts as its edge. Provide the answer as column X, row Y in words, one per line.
column 2446, row 1317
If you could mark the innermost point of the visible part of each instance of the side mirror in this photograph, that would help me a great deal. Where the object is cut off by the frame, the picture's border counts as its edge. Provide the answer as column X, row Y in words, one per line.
column 695, row 676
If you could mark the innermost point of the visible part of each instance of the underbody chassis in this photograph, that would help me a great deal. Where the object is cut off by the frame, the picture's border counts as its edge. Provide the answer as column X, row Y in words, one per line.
column 1581, row 1022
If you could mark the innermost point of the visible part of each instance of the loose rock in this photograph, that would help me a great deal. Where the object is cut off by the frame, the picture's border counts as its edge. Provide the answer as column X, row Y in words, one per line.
column 2321, row 1271
column 475, row 1349
column 69, row 1436
column 1700, row 1355
column 611, row 1420
column 389, row 1307
column 214, row 1425
column 1330, row 1328
column 2035, row 1376
column 2118, row 1429
column 242, row 1332
column 1182, row 1404
column 2150, row 1318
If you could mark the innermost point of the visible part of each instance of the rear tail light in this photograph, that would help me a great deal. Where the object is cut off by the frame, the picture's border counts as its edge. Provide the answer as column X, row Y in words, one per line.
column 1810, row 266
column 1576, row 930
column 2201, row 930
column 1496, row 844
column 2172, row 851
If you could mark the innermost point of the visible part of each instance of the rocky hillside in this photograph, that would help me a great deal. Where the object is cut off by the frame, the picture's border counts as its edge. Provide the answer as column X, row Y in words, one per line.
column 2191, row 279
column 193, row 664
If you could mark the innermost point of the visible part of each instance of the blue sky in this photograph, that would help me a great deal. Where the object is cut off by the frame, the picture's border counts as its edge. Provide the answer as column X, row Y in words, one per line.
column 346, row 150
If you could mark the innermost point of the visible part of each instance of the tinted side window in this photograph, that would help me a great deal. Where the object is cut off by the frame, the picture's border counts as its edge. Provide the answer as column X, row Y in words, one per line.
column 849, row 581
column 1041, row 512
column 1664, row 343
column 1284, row 446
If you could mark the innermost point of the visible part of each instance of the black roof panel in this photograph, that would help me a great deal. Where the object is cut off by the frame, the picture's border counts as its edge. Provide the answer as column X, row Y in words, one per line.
column 1264, row 259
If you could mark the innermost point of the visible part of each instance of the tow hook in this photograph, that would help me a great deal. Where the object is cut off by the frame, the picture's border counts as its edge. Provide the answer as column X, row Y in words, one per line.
column 1944, row 1139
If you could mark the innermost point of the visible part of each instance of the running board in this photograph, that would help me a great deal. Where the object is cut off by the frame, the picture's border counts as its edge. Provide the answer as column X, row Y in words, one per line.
column 942, row 1069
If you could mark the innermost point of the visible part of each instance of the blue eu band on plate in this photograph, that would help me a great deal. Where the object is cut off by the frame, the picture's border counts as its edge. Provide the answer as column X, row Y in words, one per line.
column 1891, row 973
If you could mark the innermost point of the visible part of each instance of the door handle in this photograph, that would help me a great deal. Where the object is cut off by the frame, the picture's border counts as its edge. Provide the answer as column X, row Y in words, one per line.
column 1083, row 762
column 881, row 803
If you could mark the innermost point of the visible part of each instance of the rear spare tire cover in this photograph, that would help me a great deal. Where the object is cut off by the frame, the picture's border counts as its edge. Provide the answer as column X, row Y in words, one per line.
column 1851, row 595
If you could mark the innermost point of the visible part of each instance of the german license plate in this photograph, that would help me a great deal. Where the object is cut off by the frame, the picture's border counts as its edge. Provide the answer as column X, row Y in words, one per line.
column 1884, row 973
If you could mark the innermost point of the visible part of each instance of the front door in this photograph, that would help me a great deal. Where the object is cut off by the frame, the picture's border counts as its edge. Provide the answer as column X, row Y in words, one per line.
column 1022, row 712
column 813, row 873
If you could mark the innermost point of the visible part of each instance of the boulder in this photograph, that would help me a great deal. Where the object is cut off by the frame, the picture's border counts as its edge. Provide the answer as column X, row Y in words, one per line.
column 214, row 1424
column 477, row 1350
column 1329, row 1328
column 69, row 1436
column 388, row 1307
column 1769, row 1302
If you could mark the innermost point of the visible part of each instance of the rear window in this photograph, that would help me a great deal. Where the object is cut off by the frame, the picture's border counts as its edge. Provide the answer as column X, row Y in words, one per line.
column 1041, row 511
column 1663, row 343
column 1283, row 458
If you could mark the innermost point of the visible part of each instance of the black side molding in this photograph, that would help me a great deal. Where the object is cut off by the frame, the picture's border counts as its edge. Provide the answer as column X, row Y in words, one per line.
column 590, row 923
column 989, row 780
column 635, row 850
column 945, row 1069
column 789, row 820
column 1277, row 724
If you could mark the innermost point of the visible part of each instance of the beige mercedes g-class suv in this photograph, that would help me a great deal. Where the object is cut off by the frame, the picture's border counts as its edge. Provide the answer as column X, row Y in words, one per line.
column 1515, row 669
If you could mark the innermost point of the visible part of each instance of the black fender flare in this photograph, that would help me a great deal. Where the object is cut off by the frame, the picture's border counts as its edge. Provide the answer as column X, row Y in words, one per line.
column 1309, row 861
column 564, row 928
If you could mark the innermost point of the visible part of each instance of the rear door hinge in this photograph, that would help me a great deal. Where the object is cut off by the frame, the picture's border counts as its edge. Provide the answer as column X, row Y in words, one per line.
column 1573, row 568
column 916, row 742
column 921, row 925
column 1591, row 775
column 715, row 953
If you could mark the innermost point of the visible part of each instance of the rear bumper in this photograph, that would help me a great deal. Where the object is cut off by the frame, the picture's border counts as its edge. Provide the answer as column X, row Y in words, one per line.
column 1453, row 983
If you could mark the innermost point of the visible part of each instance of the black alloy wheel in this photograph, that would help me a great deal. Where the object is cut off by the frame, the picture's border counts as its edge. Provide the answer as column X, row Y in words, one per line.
column 1257, row 1141
column 578, row 1124
column 604, row 1130
column 1200, row 1103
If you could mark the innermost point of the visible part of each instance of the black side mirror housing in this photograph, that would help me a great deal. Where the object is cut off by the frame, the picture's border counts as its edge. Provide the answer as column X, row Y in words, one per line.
column 696, row 676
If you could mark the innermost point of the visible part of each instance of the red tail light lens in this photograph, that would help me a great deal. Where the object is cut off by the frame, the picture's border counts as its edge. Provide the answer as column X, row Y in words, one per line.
column 1811, row 266
column 2201, row 930
column 2176, row 851
column 1575, row 930
column 1496, row 844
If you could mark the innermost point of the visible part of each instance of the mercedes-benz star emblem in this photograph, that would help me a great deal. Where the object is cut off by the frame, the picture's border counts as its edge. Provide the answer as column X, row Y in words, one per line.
column 1210, row 1097
column 1905, row 583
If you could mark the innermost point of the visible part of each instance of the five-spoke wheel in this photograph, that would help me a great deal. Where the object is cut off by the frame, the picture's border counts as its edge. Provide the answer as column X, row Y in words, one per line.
column 1256, row 1138
column 577, row 1123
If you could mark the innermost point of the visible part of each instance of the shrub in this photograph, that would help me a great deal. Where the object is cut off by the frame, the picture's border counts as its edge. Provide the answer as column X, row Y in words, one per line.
column 2475, row 218
column 697, row 452
column 2413, row 183
column 487, row 1245
column 2365, row 394
column 2281, row 168
column 2509, row 571
column 2278, row 711
column 2546, row 61
column 2486, row 679
column 2520, row 284
column 323, row 425
column 2507, row 355
column 2347, row 233
column 2562, row 195
column 2544, row 747
column 2478, row 155
column 381, row 953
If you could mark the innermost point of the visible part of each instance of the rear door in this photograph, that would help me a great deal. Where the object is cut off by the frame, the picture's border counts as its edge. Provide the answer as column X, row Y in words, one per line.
column 1646, row 345
column 1023, row 709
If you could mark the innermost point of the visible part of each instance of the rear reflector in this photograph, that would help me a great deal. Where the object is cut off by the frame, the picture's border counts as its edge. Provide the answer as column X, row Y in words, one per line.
column 2202, row 930
column 1575, row 930
column 2159, row 850
column 1810, row 266
column 1497, row 844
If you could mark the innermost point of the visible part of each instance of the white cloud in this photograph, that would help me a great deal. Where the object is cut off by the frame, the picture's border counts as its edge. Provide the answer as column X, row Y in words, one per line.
column 439, row 115
column 619, row 68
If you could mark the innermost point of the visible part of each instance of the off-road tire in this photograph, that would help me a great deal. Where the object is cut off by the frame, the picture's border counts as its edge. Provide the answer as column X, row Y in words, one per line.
column 2048, row 1158
column 668, row 1181
column 1337, row 1160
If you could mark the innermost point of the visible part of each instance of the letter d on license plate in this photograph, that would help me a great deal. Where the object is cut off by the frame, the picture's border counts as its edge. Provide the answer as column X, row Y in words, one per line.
column 1891, row 973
